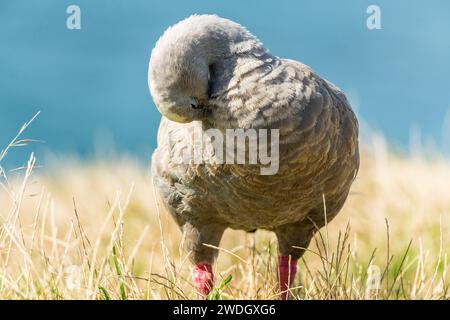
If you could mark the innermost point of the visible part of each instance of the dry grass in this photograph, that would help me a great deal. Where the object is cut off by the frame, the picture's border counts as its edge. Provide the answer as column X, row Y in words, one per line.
column 92, row 231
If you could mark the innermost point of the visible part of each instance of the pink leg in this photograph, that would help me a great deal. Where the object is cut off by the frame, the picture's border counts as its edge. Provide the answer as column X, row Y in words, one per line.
column 287, row 268
column 203, row 279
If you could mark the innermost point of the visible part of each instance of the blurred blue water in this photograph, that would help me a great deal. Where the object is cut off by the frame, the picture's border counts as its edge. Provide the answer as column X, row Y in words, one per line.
column 92, row 83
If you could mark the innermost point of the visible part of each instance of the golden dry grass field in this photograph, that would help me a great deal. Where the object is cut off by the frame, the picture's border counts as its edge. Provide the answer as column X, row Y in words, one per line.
column 93, row 231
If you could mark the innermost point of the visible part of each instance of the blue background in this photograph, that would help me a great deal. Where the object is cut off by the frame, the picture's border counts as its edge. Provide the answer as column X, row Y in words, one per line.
column 91, row 84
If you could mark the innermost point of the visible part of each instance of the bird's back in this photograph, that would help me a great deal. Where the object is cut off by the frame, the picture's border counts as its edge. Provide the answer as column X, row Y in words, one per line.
column 318, row 149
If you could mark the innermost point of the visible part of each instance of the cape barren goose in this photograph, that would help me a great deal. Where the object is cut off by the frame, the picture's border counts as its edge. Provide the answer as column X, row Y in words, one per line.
column 209, row 73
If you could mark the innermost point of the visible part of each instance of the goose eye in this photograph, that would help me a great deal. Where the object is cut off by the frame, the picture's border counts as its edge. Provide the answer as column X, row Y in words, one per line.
column 194, row 103
column 195, row 106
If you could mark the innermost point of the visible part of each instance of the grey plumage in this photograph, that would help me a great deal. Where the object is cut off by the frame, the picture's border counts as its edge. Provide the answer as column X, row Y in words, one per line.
column 209, row 72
